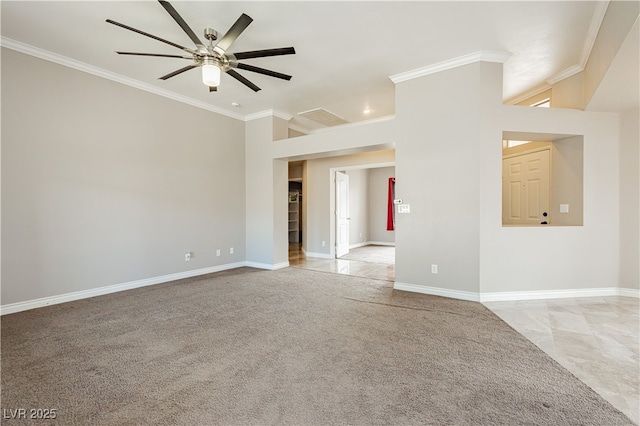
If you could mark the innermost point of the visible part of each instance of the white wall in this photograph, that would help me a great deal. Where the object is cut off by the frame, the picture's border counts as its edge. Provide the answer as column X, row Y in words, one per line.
column 103, row 184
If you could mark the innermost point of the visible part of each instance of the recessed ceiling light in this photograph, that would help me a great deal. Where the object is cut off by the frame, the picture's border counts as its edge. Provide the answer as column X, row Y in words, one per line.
column 235, row 104
column 366, row 111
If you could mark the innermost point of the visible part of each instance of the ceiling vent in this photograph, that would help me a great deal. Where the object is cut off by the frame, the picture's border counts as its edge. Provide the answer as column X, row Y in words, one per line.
column 322, row 116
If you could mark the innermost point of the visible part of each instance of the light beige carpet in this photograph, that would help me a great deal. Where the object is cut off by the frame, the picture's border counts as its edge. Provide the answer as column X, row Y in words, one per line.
column 287, row 347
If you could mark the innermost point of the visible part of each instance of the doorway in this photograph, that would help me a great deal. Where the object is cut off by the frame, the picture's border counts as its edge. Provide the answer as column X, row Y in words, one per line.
column 359, row 197
column 367, row 211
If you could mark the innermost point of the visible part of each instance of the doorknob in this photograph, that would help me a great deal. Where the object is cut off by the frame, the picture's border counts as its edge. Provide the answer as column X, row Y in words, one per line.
column 544, row 222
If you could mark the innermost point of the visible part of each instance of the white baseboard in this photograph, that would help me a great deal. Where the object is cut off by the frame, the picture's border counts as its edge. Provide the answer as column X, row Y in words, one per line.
column 372, row 243
column 518, row 295
column 435, row 291
column 629, row 292
column 318, row 255
column 354, row 246
column 84, row 294
column 557, row 294
column 270, row 267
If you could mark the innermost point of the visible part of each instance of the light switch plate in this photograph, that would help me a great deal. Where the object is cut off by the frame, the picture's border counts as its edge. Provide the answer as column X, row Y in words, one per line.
column 564, row 208
column 404, row 208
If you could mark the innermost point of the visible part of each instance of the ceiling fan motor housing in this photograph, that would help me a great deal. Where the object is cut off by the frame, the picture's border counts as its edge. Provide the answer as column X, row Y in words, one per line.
column 210, row 34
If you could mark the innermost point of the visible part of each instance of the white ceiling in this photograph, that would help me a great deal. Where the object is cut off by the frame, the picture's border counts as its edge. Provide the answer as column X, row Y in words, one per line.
column 346, row 51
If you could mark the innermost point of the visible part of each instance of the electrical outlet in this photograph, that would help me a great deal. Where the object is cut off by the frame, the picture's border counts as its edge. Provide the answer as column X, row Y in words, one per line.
column 187, row 256
column 218, row 252
column 231, row 250
column 434, row 269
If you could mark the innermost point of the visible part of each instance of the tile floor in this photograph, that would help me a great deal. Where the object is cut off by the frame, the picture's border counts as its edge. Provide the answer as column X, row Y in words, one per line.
column 358, row 268
column 596, row 338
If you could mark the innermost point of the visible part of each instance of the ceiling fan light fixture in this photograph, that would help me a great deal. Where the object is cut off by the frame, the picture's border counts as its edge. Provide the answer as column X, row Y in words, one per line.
column 214, row 60
column 211, row 75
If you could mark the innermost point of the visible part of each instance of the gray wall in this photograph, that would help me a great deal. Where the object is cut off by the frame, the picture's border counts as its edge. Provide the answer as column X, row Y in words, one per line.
column 615, row 26
column 515, row 259
column 368, row 205
column 378, row 189
column 439, row 119
column 630, row 200
column 358, row 206
column 267, row 193
column 567, row 181
column 104, row 184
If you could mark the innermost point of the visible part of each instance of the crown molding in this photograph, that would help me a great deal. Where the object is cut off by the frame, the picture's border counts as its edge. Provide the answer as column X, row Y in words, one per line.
column 572, row 70
column 268, row 113
column 99, row 72
column 479, row 56
column 258, row 115
column 282, row 115
column 592, row 33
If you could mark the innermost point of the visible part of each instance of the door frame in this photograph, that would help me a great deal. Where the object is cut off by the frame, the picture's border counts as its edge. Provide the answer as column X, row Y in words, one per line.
column 332, row 197
column 342, row 249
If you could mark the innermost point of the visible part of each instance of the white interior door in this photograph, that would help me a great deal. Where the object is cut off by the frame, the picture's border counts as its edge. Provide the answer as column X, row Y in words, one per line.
column 525, row 189
column 342, row 214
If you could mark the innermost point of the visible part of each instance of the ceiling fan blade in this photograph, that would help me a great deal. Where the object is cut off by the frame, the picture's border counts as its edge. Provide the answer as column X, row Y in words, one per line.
column 264, row 71
column 234, row 32
column 150, row 35
column 213, row 89
column 264, row 53
column 243, row 80
column 180, row 71
column 161, row 55
column 176, row 17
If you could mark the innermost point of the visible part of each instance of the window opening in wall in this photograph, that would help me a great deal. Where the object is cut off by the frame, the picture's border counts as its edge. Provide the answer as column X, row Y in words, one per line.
column 544, row 103
column 511, row 144
column 542, row 179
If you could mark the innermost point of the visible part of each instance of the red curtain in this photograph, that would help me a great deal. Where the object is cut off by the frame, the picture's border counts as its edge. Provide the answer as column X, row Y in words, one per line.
column 391, row 213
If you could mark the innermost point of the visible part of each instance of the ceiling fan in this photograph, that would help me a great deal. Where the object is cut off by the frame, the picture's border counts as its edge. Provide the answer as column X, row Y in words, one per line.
column 213, row 58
